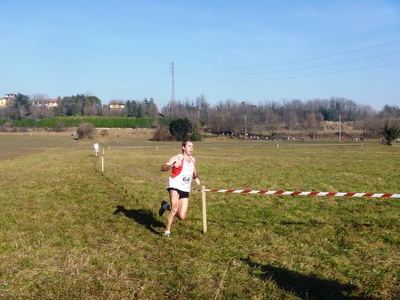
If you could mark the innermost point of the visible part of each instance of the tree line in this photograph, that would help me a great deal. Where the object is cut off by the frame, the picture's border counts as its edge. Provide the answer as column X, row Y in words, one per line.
column 227, row 116
column 230, row 116
column 20, row 107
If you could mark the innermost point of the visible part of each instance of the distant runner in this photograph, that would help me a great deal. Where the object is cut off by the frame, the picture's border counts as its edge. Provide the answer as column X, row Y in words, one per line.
column 96, row 149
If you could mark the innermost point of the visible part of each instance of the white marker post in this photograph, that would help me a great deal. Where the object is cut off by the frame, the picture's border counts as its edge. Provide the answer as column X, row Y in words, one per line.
column 203, row 202
column 102, row 164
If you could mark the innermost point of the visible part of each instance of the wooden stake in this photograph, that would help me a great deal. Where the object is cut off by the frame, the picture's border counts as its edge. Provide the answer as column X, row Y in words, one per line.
column 203, row 201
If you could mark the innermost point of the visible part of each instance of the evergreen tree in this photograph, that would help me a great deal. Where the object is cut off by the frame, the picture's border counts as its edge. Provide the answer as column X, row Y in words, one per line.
column 180, row 128
column 21, row 107
column 390, row 133
column 139, row 112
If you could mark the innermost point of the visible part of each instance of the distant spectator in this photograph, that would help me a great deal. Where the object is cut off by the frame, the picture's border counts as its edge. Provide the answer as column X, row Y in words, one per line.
column 96, row 148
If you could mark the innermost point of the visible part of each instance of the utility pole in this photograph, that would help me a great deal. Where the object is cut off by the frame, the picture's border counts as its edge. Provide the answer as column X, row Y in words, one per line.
column 173, row 83
column 245, row 130
column 340, row 128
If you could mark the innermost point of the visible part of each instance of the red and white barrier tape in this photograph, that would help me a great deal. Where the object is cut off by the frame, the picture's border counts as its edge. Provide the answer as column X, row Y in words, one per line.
column 143, row 174
column 147, row 175
column 298, row 193
column 280, row 192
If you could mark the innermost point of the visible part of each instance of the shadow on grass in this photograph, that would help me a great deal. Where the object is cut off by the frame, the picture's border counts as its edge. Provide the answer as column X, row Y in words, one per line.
column 308, row 287
column 142, row 217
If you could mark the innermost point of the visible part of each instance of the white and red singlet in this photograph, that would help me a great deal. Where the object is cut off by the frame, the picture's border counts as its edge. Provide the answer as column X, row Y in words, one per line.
column 181, row 177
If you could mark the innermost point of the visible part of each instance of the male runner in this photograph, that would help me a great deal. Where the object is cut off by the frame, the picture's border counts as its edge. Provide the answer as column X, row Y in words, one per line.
column 183, row 168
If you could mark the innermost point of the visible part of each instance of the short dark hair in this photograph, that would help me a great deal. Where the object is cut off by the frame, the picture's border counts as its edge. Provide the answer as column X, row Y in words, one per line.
column 185, row 141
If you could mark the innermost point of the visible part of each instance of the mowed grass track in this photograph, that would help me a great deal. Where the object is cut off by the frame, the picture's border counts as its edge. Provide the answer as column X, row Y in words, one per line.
column 69, row 231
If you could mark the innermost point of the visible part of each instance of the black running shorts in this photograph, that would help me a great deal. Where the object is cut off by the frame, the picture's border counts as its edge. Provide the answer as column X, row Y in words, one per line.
column 182, row 194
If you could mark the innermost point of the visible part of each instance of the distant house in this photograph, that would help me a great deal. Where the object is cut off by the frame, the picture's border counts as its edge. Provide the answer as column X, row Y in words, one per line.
column 10, row 96
column 116, row 105
column 6, row 100
column 3, row 102
column 46, row 103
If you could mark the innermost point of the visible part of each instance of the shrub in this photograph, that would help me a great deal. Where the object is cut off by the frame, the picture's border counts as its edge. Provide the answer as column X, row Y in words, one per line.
column 162, row 134
column 57, row 129
column 104, row 132
column 86, row 130
column 196, row 137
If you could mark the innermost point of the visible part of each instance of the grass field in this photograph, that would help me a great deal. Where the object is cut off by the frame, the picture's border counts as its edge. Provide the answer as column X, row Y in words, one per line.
column 69, row 231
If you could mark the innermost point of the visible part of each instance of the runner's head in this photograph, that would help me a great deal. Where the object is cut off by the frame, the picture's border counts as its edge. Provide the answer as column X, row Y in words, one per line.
column 187, row 146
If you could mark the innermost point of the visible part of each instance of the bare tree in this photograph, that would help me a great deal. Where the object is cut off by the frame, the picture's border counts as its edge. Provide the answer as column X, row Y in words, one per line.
column 217, row 122
column 90, row 111
column 39, row 96
column 152, row 109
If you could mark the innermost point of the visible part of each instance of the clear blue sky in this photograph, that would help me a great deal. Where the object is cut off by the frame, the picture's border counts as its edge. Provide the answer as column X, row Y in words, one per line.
column 252, row 51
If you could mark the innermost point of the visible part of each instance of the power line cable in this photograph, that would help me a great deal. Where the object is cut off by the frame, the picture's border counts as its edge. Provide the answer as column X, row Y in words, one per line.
column 300, row 76
column 297, row 61
column 304, row 68
column 336, row 40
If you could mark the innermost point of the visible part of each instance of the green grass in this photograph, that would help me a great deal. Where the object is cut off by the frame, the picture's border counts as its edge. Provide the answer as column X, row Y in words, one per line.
column 69, row 231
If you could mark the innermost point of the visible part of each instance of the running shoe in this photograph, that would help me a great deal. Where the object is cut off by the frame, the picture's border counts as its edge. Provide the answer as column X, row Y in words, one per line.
column 162, row 210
